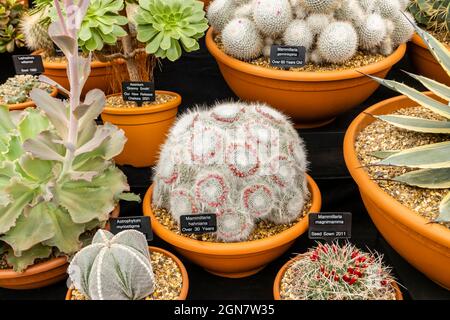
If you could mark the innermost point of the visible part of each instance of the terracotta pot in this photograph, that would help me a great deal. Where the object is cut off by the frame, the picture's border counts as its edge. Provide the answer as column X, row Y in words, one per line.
column 146, row 129
column 423, row 244
column 39, row 275
column 280, row 275
column 184, row 274
column 424, row 62
column 29, row 104
column 311, row 99
column 101, row 76
column 233, row 260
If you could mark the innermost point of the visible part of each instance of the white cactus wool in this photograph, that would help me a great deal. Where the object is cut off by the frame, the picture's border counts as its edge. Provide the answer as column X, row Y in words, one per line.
column 243, row 162
column 379, row 25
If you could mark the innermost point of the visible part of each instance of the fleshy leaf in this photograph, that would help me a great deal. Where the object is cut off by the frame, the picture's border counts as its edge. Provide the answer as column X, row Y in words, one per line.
column 444, row 210
column 66, row 43
column 32, row 124
column 417, row 124
column 382, row 154
column 43, row 147
column 28, row 257
column 439, row 89
column 427, row 178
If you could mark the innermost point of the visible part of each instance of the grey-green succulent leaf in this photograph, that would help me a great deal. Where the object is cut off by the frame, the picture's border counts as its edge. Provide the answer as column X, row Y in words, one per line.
column 382, row 154
column 27, row 258
column 444, row 210
column 427, row 178
column 45, row 147
column 417, row 124
column 439, row 89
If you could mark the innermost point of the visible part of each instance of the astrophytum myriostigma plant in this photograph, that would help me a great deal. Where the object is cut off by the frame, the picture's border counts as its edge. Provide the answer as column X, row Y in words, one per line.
column 57, row 177
column 433, row 160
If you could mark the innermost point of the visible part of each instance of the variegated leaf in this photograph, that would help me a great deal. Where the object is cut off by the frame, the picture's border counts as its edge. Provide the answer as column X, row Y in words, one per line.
column 382, row 154
column 28, row 257
column 444, row 210
column 427, row 178
column 417, row 124
column 439, row 89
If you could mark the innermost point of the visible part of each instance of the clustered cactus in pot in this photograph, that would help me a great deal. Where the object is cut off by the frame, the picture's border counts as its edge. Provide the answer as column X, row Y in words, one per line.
column 17, row 89
column 10, row 36
column 433, row 15
column 332, row 31
column 57, row 177
column 243, row 162
column 430, row 162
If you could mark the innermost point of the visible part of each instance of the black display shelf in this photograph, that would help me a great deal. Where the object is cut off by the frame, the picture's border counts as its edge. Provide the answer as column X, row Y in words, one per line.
column 197, row 78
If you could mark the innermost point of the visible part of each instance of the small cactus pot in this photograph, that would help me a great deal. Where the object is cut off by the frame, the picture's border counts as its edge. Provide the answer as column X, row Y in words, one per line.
column 424, row 245
column 41, row 274
column 146, row 129
column 285, row 267
column 424, row 62
column 239, row 259
column 311, row 99
column 29, row 104
column 184, row 274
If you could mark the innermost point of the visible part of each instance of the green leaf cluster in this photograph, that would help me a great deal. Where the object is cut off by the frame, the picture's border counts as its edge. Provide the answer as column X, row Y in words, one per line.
column 434, row 15
column 10, row 36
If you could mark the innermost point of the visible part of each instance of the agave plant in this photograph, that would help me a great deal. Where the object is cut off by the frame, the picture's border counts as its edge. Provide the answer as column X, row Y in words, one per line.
column 431, row 161
column 57, row 177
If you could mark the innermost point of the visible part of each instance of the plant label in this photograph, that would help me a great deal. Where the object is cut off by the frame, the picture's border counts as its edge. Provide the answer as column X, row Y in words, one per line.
column 139, row 223
column 330, row 225
column 138, row 92
column 28, row 64
column 198, row 223
column 287, row 56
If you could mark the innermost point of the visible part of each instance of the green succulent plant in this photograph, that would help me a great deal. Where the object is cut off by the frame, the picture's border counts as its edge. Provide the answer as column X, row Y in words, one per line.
column 167, row 26
column 431, row 161
column 434, row 15
column 10, row 36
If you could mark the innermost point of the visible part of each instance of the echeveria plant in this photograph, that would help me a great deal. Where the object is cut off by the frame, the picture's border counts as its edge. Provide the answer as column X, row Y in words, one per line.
column 10, row 36
column 57, row 177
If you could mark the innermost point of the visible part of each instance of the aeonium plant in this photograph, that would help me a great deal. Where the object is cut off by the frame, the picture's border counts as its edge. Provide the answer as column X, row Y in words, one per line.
column 57, row 177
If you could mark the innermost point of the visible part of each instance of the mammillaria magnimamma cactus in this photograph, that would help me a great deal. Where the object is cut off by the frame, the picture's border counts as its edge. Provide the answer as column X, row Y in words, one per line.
column 242, row 162
column 114, row 267
column 373, row 26
column 433, row 15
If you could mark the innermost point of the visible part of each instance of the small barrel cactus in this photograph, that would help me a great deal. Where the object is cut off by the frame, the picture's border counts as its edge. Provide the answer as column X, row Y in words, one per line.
column 318, row 22
column 388, row 9
column 321, row 6
column 372, row 32
column 272, row 17
column 337, row 272
column 220, row 12
column 242, row 162
column 17, row 89
column 299, row 34
column 114, row 267
column 241, row 39
column 338, row 42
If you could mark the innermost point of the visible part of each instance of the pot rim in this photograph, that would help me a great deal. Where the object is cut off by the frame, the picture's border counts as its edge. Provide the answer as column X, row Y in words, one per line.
column 282, row 271
column 31, row 103
column 184, row 274
column 145, row 110
column 236, row 248
column 417, row 40
column 245, row 67
column 62, row 65
column 389, row 205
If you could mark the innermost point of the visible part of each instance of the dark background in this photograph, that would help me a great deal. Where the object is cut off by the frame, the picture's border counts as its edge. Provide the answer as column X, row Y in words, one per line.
column 197, row 78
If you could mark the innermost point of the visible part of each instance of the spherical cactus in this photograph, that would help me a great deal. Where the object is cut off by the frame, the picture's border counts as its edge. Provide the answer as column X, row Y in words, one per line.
column 318, row 22
column 241, row 39
column 403, row 29
column 260, row 170
column 386, row 47
column 114, row 267
column 321, row 6
column 367, row 5
column 219, row 13
column 372, row 32
column 351, row 11
column 403, row 4
column 298, row 34
column 272, row 17
column 35, row 34
column 338, row 42
column 388, row 9
column 244, row 11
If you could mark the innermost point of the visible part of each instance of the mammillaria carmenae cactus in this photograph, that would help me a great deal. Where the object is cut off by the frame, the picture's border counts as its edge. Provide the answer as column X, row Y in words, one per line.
column 242, row 162
column 114, row 267
column 337, row 272
column 374, row 26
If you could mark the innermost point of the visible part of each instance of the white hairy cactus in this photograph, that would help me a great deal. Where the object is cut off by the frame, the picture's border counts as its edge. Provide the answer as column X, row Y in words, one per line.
column 258, row 172
column 372, row 32
column 351, row 11
column 321, row 6
column 114, row 267
column 367, row 5
column 272, row 17
column 241, row 39
column 219, row 13
column 318, row 22
column 403, row 29
column 404, row 4
column 299, row 34
column 388, row 9
column 338, row 42
column 35, row 34
column 244, row 11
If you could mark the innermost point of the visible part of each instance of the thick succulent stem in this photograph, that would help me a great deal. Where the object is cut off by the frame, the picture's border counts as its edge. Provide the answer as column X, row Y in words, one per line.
column 132, row 65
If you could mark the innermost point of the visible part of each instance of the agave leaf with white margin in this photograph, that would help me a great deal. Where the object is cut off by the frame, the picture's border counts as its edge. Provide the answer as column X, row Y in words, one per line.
column 44, row 147
column 444, row 210
column 31, row 124
column 431, row 156
column 416, row 124
column 382, row 154
column 427, row 178
column 28, row 257
column 32, row 227
column 54, row 108
column 439, row 89
column 66, row 43
column 21, row 195
column 92, row 107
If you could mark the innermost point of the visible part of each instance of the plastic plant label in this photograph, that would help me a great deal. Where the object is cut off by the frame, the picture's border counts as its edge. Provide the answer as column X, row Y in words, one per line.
column 330, row 225
column 287, row 56
column 198, row 223
column 139, row 223
column 138, row 92
column 28, row 64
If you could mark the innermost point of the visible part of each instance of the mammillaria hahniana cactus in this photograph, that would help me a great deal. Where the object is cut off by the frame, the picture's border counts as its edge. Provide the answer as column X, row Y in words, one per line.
column 242, row 162
column 114, row 267
column 376, row 26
